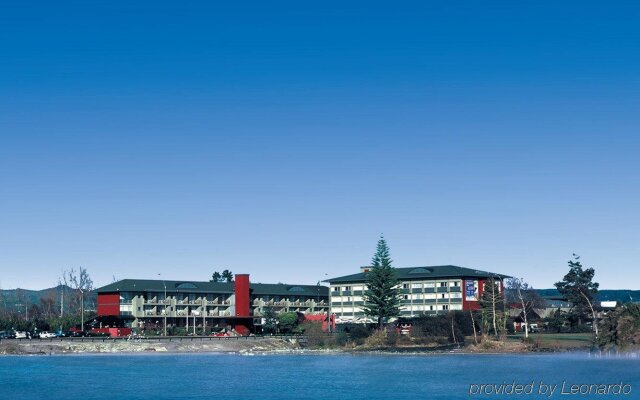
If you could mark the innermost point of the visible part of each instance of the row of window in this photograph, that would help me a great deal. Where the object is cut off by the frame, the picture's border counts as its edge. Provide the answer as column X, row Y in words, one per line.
column 405, row 285
column 404, row 309
column 438, row 307
column 431, row 296
column 415, row 296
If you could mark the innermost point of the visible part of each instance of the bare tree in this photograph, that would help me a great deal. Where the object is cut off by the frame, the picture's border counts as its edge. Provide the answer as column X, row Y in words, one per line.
column 3, row 303
column 81, row 283
column 520, row 292
column 47, row 305
column 473, row 324
column 492, row 307
column 593, row 312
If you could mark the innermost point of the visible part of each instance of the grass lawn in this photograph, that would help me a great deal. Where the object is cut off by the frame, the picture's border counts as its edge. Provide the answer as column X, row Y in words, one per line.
column 558, row 341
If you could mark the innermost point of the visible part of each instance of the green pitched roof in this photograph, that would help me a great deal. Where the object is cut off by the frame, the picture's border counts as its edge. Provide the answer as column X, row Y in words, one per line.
column 147, row 285
column 291, row 290
column 430, row 272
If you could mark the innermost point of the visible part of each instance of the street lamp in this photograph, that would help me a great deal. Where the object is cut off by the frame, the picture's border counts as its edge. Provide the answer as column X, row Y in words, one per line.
column 165, row 304
column 328, row 305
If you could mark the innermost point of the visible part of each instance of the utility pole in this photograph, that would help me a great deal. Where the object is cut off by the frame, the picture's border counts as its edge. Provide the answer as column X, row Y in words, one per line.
column 165, row 305
column 82, row 309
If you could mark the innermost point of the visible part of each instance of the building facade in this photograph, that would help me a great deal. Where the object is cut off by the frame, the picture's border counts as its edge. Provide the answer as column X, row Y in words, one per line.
column 205, row 306
column 424, row 290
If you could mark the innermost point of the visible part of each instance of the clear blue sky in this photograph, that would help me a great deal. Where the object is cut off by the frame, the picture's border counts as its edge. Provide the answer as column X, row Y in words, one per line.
column 281, row 139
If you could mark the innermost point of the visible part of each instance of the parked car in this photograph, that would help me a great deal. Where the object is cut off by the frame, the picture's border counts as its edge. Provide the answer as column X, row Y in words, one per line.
column 7, row 335
column 47, row 335
column 22, row 335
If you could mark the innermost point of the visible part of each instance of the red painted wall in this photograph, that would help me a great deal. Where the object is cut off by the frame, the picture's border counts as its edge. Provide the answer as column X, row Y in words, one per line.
column 108, row 304
column 475, row 305
column 113, row 332
column 242, row 295
column 322, row 318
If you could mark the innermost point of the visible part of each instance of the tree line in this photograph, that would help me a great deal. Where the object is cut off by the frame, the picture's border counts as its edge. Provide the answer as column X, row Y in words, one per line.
column 70, row 304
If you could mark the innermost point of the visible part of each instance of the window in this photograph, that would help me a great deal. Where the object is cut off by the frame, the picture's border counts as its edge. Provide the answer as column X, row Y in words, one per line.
column 406, row 297
column 336, row 288
column 405, row 286
column 442, row 295
column 186, row 285
column 445, row 307
column 347, row 288
column 430, row 308
column 443, row 284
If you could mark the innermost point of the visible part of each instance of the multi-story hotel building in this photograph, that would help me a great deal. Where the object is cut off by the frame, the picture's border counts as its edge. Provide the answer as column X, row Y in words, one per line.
column 238, row 305
column 424, row 290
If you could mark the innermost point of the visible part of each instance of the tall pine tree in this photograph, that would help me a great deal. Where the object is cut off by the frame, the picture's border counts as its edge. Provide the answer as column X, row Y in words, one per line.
column 382, row 297
column 580, row 289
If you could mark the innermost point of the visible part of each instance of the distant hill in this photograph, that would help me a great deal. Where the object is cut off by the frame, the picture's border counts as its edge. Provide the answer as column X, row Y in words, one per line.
column 15, row 299
column 12, row 297
column 619, row 295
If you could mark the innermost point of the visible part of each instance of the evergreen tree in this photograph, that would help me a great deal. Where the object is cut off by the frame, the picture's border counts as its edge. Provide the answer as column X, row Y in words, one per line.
column 227, row 276
column 382, row 297
column 216, row 277
column 580, row 290
column 270, row 322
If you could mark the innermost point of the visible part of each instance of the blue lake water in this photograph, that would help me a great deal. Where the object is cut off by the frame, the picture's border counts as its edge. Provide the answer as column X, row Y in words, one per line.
column 334, row 376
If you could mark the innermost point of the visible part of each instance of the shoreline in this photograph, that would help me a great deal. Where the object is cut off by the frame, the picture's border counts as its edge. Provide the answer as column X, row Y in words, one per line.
column 256, row 346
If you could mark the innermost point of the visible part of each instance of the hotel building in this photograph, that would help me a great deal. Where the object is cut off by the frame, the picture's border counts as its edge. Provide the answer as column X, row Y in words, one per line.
column 238, row 305
column 424, row 290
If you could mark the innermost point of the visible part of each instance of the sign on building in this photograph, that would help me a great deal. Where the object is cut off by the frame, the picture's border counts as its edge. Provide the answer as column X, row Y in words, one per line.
column 471, row 290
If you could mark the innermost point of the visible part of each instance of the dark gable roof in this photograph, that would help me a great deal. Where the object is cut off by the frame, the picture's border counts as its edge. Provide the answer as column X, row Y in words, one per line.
column 257, row 289
column 280, row 289
column 148, row 285
column 432, row 272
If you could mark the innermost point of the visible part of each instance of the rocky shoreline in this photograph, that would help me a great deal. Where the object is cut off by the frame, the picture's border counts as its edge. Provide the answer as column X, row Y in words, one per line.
column 255, row 345
column 45, row 347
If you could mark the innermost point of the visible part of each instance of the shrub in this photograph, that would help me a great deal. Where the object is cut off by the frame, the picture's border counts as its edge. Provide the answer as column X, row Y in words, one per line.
column 378, row 339
column 316, row 337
